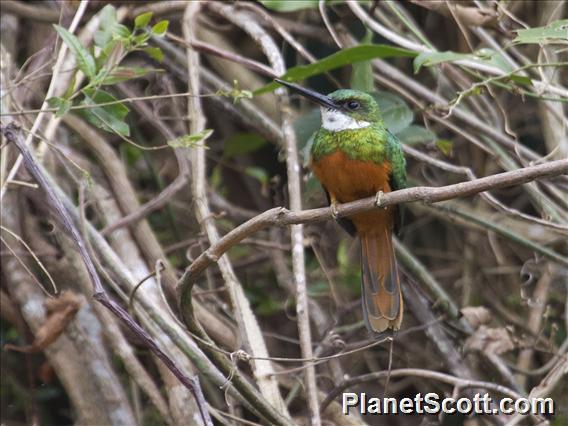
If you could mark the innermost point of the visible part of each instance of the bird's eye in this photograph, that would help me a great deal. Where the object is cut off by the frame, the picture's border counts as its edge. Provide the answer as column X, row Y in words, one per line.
column 353, row 105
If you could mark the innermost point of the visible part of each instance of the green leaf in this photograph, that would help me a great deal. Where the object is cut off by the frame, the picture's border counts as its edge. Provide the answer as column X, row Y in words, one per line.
column 71, row 88
column 258, row 173
column 236, row 93
column 445, row 146
column 85, row 60
column 554, row 33
column 121, row 32
column 427, row 59
column 190, row 141
column 108, row 22
column 120, row 74
column 363, row 52
column 484, row 55
column 305, row 127
column 243, row 143
column 63, row 105
column 155, row 53
column 362, row 76
column 141, row 38
column 108, row 55
column 106, row 117
column 495, row 58
column 142, row 20
column 396, row 113
column 414, row 134
column 160, row 28
column 521, row 79
column 289, row 6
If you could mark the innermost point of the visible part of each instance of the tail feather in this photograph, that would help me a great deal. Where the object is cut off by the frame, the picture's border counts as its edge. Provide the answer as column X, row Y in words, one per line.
column 382, row 298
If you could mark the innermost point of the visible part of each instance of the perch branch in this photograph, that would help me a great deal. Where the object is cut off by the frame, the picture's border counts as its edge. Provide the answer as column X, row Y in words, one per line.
column 280, row 216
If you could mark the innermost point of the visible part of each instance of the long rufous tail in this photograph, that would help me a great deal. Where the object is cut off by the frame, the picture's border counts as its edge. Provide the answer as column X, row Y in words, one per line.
column 382, row 298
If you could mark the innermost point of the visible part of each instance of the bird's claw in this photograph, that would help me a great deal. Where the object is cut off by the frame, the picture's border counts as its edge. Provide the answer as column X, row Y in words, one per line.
column 379, row 198
column 334, row 211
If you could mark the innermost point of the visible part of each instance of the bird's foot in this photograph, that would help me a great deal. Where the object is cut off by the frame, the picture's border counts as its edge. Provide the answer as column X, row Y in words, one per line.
column 379, row 198
column 334, row 211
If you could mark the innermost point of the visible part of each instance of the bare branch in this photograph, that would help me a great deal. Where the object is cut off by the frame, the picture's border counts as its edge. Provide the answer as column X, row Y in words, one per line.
column 280, row 216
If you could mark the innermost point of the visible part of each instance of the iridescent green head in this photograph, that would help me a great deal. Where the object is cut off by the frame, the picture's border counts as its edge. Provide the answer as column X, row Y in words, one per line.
column 343, row 109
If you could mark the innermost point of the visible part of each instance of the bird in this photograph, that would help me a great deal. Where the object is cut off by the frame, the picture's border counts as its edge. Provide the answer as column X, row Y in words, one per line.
column 355, row 156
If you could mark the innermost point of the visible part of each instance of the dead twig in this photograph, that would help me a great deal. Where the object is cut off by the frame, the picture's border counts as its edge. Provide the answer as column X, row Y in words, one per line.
column 13, row 135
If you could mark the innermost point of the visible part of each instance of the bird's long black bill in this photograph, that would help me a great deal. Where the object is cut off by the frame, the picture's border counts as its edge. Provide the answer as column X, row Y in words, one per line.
column 323, row 100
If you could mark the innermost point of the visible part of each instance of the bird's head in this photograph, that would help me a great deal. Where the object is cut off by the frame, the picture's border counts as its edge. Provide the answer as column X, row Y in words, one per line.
column 343, row 109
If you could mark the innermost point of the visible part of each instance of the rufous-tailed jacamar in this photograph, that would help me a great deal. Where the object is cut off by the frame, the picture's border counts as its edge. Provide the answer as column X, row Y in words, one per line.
column 354, row 156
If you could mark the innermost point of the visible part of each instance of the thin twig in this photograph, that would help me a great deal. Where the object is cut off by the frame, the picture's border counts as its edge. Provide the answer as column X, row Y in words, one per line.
column 12, row 134
column 458, row 382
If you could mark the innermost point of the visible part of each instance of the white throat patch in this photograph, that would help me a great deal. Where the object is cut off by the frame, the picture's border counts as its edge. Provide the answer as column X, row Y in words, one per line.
column 336, row 121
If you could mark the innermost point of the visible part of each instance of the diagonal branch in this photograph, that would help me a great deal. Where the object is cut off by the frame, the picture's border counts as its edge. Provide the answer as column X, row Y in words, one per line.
column 279, row 216
column 13, row 134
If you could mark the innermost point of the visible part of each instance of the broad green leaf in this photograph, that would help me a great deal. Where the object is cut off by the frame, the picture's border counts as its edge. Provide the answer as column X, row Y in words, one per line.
column 85, row 60
column 362, row 75
column 521, row 79
column 554, row 33
column 106, row 117
column 344, row 57
column 160, row 28
column 306, row 124
column 63, row 105
column 109, row 55
column 243, row 143
column 121, row 32
column 140, row 39
column 120, row 74
column 427, row 59
column 415, row 134
column 485, row 55
column 64, row 108
column 494, row 58
column 289, row 6
column 396, row 113
column 106, row 28
column 445, row 146
column 305, row 127
column 155, row 53
column 190, row 141
column 258, row 173
column 142, row 20
column 55, row 101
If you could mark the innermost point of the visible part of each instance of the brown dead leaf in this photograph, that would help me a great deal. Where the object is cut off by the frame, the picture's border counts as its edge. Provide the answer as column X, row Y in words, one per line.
column 476, row 315
column 492, row 340
column 61, row 311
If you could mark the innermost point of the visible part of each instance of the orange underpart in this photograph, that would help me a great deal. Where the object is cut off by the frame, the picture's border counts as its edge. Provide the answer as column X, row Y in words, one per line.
column 349, row 180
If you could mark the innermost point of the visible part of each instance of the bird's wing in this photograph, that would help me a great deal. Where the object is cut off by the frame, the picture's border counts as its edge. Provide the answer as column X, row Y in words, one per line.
column 397, row 180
